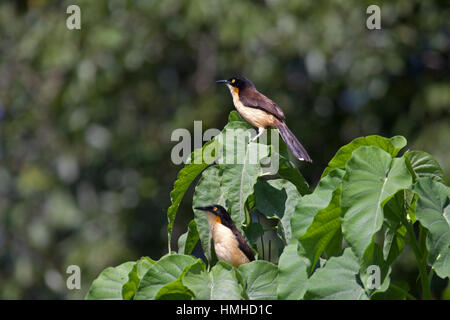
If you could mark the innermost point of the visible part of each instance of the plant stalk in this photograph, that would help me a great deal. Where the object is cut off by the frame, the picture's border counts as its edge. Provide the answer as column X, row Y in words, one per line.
column 421, row 263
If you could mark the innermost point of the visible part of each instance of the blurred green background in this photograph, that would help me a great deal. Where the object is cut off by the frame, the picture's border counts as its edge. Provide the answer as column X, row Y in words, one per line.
column 86, row 115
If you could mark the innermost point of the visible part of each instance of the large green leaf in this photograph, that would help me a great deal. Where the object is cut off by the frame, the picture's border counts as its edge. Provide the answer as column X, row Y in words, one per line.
column 168, row 269
column 134, row 277
column 391, row 146
column 310, row 204
column 372, row 178
column 195, row 165
column 338, row 279
column 433, row 212
column 238, row 179
column 220, row 283
column 277, row 199
column 324, row 231
column 109, row 283
column 259, row 280
column 422, row 164
column 292, row 274
column 207, row 192
column 184, row 179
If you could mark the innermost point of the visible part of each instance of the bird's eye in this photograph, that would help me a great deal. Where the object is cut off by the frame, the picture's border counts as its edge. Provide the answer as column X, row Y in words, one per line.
column 233, row 81
column 215, row 209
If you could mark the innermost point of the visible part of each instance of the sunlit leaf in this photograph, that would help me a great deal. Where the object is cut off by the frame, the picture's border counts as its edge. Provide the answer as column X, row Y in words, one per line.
column 292, row 274
column 338, row 279
column 423, row 164
column 391, row 146
column 259, row 280
column 238, row 180
column 372, row 178
column 109, row 283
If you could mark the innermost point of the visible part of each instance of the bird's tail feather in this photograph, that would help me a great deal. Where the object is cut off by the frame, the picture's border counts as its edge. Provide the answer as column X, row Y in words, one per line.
column 292, row 142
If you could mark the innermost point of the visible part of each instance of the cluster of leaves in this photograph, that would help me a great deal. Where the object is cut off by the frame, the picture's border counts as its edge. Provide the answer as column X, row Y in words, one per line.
column 368, row 196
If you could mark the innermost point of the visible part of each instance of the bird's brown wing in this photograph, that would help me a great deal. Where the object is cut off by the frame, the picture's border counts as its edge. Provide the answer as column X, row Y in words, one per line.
column 243, row 245
column 254, row 99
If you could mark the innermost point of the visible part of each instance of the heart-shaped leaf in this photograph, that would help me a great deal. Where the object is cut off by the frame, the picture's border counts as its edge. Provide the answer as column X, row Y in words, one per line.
column 372, row 178
column 391, row 146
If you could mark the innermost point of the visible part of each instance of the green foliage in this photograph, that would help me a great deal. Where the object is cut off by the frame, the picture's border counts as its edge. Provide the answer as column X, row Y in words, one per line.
column 292, row 273
column 109, row 283
column 338, row 279
column 391, row 146
column 276, row 199
column 433, row 212
column 338, row 242
column 188, row 240
column 220, row 283
column 372, row 178
column 86, row 115
column 162, row 273
column 259, row 280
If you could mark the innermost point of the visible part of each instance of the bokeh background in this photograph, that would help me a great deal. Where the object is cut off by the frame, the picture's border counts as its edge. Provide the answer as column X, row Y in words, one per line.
column 86, row 115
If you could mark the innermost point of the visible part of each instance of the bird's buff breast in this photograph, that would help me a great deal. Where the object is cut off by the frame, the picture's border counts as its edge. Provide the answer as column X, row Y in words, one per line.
column 225, row 244
column 255, row 117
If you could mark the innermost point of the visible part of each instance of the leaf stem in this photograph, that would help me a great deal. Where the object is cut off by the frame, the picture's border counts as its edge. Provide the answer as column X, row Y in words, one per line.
column 421, row 262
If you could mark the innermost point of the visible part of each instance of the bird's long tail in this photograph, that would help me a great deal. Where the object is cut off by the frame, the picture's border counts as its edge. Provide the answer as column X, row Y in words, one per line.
column 292, row 142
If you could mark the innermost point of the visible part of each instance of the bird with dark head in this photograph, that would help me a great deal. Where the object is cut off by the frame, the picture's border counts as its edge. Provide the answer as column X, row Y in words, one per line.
column 229, row 244
column 261, row 112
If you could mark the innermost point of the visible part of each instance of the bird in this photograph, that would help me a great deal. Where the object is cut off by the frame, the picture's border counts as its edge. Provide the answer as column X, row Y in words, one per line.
column 261, row 112
column 229, row 244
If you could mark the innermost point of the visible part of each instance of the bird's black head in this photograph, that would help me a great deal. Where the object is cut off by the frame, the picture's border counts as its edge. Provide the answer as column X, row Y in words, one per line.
column 238, row 82
column 219, row 211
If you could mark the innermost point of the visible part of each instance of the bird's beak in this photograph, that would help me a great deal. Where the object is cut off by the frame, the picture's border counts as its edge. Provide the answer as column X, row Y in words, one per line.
column 223, row 81
column 202, row 208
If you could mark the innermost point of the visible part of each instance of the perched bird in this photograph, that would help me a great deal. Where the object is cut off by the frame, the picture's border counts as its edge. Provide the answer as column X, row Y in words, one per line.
column 229, row 243
column 261, row 112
